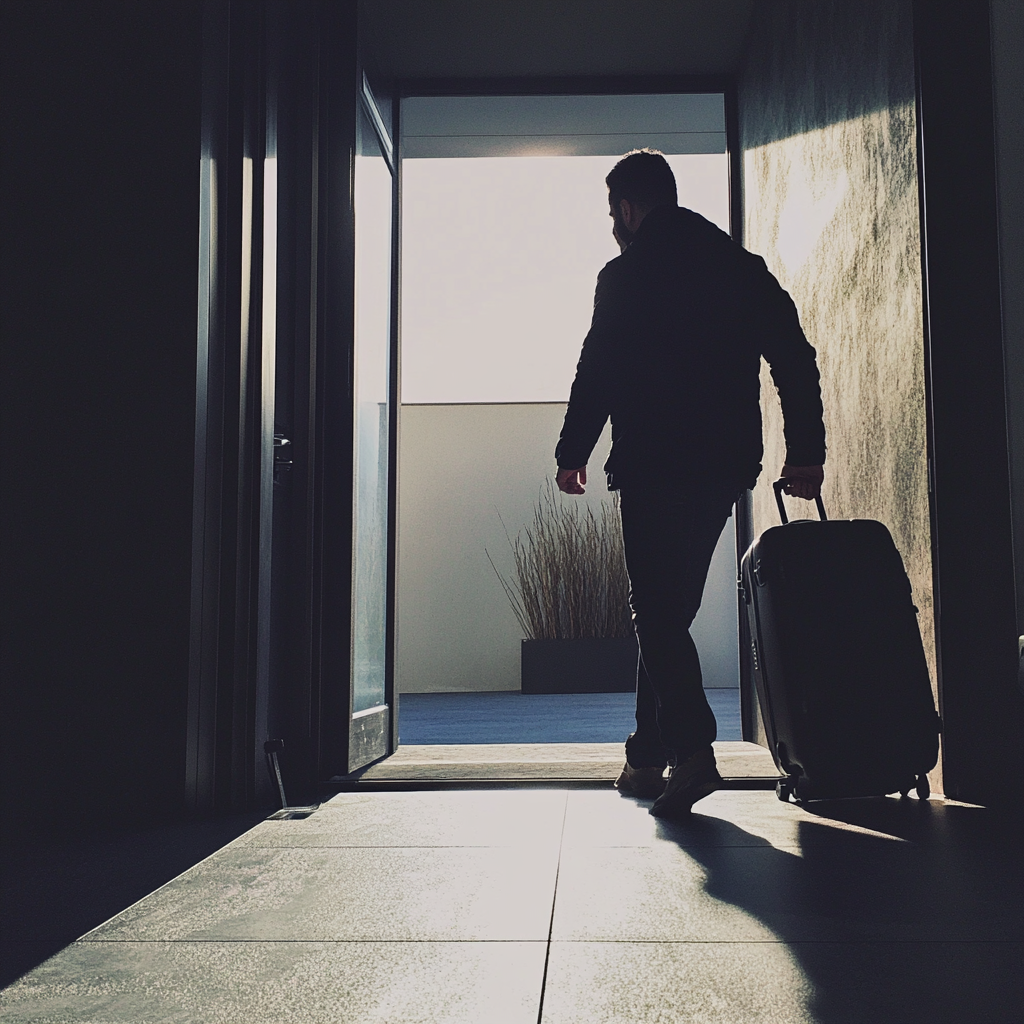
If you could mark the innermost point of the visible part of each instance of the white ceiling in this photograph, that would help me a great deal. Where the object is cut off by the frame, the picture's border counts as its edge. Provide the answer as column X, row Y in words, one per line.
column 495, row 38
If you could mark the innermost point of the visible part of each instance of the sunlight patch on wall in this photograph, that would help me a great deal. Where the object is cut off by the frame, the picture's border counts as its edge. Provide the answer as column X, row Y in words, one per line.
column 834, row 212
column 809, row 208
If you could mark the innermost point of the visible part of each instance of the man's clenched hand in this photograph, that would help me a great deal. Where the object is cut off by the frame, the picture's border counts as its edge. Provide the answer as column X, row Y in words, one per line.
column 803, row 481
column 571, row 481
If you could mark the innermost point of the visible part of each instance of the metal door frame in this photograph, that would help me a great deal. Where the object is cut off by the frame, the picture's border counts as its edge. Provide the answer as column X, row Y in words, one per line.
column 373, row 732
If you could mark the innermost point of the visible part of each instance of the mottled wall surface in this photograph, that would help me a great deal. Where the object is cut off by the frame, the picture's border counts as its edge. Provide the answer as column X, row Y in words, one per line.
column 827, row 122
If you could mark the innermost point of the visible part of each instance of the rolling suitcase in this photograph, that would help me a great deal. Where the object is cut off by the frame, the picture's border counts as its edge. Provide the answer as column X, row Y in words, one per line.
column 839, row 666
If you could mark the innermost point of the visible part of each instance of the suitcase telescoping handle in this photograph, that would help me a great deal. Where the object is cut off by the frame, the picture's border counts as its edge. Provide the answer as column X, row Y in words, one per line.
column 777, row 487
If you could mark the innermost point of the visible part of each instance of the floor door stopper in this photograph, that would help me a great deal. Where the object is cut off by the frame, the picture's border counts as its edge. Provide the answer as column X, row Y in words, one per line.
column 272, row 748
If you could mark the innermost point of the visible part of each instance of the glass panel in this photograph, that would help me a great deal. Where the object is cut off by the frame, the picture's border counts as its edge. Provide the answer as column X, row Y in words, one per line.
column 373, row 192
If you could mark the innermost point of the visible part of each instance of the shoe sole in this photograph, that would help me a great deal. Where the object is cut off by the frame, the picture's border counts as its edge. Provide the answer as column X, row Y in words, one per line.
column 641, row 794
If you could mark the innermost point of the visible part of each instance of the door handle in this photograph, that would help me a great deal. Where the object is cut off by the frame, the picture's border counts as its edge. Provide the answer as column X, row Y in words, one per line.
column 282, row 451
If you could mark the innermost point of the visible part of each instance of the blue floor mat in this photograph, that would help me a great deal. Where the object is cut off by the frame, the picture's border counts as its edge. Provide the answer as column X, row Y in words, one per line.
column 511, row 717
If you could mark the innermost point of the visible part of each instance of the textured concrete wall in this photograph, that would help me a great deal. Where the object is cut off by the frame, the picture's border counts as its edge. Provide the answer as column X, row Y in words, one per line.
column 831, row 202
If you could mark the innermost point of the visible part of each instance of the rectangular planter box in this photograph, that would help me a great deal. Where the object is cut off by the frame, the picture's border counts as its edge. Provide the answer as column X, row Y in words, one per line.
column 594, row 665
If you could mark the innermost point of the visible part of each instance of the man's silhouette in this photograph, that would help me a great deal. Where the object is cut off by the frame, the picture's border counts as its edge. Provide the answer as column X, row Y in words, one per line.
column 681, row 320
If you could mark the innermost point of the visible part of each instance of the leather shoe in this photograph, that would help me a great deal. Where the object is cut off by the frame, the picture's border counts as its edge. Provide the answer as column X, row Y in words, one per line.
column 688, row 782
column 643, row 783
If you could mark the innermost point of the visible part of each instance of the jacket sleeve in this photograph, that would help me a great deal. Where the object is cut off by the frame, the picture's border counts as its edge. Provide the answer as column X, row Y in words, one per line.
column 793, row 367
column 590, row 400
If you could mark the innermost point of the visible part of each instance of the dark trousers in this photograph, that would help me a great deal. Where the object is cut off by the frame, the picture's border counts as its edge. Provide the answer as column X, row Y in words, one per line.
column 669, row 539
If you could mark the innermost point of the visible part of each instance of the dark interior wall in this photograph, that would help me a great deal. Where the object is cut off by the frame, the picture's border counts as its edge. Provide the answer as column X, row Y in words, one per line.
column 983, row 709
column 101, row 105
column 1008, row 87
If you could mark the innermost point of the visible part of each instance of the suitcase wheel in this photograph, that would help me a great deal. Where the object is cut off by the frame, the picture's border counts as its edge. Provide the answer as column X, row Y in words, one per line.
column 801, row 790
column 784, row 789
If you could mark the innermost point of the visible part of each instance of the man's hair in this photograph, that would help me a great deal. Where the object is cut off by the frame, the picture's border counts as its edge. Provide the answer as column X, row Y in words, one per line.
column 644, row 177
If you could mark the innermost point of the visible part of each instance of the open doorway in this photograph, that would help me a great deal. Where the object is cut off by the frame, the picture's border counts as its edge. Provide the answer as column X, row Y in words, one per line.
column 504, row 229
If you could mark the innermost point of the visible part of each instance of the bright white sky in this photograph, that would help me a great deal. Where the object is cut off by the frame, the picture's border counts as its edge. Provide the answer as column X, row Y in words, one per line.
column 499, row 261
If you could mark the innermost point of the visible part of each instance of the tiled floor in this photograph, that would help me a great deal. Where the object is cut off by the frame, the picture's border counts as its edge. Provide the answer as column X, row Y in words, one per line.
column 564, row 906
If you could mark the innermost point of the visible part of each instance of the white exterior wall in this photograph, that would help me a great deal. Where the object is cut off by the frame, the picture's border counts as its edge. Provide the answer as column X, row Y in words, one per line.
column 461, row 466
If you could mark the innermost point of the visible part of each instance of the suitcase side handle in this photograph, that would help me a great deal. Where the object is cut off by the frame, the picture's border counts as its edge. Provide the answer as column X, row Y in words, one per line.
column 777, row 487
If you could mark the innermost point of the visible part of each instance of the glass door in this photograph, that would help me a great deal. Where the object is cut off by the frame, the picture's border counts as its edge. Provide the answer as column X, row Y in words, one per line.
column 373, row 190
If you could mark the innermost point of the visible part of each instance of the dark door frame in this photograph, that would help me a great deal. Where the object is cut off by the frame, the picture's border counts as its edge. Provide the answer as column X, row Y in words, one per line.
column 222, row 699
column 304, row 53
column 373, row 733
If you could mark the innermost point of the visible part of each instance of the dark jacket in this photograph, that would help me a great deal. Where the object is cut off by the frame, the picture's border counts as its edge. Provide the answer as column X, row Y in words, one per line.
column 681, row 320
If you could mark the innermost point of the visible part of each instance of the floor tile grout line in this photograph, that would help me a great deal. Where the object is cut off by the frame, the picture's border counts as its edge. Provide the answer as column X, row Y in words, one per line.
column 537, row 942
column 398, row 846
column 551, row 923
column 325, row 942
column 518, row 846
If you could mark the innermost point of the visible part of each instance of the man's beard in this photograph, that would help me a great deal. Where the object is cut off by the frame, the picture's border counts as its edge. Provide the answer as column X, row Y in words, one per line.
column 621, row 233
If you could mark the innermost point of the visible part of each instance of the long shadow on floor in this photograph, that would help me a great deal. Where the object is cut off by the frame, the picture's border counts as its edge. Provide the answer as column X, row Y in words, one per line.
column 56, row 888
column 920, row 921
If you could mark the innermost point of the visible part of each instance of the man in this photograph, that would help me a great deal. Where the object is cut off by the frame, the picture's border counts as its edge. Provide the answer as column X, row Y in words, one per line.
column 681, row 320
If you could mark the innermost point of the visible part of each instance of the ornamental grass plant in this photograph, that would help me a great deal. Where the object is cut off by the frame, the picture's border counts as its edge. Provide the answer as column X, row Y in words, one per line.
column 569, row 580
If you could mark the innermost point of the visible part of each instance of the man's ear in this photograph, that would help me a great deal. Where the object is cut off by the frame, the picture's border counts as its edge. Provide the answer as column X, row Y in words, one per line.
column 631, row 215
